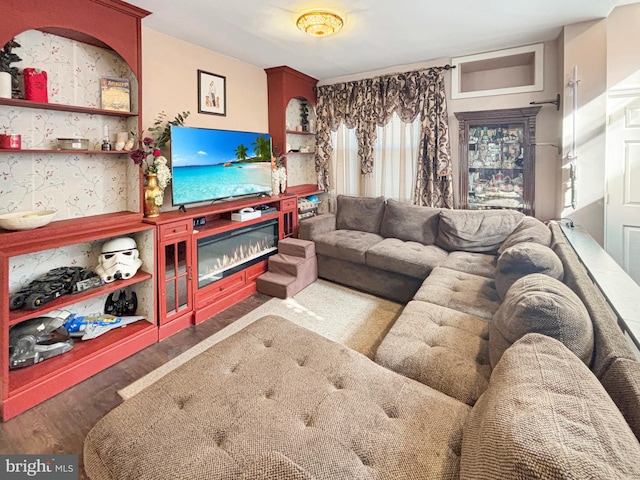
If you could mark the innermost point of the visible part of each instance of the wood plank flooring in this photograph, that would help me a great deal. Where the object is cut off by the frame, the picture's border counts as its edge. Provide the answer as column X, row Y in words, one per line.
column 60, row 424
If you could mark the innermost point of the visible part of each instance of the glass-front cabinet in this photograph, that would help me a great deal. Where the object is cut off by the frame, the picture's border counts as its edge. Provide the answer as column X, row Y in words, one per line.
column 175, row 304
column 497, row 159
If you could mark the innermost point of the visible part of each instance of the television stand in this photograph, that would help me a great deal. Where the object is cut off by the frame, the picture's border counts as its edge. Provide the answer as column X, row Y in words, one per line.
column 181, row 301
column 182, row 208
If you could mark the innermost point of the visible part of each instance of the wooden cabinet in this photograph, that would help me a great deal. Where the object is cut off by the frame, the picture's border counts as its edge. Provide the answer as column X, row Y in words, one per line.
column 25, row 256
column 497, row 159
column 88, row 213
column 290, row 217
column 175, row 275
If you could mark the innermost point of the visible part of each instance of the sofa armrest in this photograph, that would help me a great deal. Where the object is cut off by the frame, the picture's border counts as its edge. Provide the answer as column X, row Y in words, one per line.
column 311, row 227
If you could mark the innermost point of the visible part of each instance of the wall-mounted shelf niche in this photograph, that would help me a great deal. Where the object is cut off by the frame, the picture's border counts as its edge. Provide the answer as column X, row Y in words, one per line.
column 514, row 70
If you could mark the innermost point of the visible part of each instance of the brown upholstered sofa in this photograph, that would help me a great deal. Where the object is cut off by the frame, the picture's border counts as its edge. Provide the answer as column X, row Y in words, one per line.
column 506, row 362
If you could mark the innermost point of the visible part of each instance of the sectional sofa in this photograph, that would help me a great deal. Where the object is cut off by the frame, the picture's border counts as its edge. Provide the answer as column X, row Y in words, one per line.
column 506, row 362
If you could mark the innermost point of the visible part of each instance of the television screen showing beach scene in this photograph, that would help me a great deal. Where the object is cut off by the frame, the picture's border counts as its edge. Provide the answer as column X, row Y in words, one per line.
column 209, row 164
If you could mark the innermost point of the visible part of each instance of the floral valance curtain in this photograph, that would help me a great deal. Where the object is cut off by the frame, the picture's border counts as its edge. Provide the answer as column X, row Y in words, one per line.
column 365, row 104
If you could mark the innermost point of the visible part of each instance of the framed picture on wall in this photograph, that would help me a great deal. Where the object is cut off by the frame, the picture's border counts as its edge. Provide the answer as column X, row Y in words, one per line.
column 212, row 93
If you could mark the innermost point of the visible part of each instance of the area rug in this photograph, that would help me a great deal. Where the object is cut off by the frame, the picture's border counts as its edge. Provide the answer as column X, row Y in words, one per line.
column 355, row 319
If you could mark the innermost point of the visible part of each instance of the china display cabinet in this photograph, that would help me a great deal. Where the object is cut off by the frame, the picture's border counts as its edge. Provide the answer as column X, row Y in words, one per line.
column 497, row 159
column 96, row 193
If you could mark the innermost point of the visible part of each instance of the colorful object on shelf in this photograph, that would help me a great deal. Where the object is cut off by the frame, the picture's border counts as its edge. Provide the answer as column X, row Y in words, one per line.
column 11, row 141
column 38, row 339
column 35, row 85
column 152, row 194
column 88, row 327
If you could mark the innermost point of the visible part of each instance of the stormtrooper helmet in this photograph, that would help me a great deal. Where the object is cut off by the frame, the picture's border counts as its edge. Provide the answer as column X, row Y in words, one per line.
column 118, row 260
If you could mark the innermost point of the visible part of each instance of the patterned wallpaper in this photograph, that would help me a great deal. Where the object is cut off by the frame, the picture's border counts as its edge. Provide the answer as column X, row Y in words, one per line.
column 300, row 167
column 79, row 184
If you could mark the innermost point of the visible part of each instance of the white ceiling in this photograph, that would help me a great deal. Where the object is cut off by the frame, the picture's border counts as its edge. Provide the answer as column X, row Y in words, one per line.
column 377, row 34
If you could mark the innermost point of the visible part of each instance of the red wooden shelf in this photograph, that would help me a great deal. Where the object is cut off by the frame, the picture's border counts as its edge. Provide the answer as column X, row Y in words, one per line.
column 84, row 152
column 222, row 225
column 17, row 102
column 69, row 232
column 83, row 351
column 18, row 316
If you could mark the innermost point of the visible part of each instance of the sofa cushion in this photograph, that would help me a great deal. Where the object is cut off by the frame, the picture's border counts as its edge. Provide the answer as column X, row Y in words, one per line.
column 622, row 382
column 546, row 416
column 410, row 222
column 442, row 348
column 460, row 291
column 348, row 245
column 541, row 304
column 481, row 231
column 275, row 466
column 359, row 213
column 529, row 230
column 409, row 258
column 277, row 387
column 482, row 264
column 523, row 259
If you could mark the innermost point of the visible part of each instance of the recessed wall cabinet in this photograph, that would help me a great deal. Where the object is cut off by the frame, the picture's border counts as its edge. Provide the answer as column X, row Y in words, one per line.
column 497, row 159
column 92, row 207
column 501, row 72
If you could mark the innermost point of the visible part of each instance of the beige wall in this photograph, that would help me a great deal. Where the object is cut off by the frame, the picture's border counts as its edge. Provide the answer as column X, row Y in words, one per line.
column 585, row 48
column 623, row 47
column 170, row 83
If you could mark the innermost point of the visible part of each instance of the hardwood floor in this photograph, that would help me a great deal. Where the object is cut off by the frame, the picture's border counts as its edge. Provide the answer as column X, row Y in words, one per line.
column 60, row 424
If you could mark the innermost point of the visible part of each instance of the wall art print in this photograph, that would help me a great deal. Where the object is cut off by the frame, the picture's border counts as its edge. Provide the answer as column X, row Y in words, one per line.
column 212, row 93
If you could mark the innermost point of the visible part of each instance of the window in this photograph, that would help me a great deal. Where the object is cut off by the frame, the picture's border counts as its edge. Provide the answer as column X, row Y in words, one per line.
column 394, row 164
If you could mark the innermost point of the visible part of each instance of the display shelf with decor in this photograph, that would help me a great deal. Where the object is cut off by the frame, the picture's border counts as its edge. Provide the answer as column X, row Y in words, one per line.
column 24, row 262
column 497, row 159
column 292, row 122
column 95, row 193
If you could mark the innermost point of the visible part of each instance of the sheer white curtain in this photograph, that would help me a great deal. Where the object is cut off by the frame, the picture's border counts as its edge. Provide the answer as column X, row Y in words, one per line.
column 395, row 158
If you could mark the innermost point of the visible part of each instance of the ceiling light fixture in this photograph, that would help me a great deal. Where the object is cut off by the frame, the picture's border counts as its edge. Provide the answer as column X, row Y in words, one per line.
column 319, row 24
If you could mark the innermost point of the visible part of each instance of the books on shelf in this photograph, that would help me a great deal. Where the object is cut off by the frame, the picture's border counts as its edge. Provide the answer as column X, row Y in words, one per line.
column 115, row 94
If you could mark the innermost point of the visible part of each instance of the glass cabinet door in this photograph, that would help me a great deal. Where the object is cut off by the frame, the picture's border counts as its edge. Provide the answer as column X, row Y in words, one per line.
column 176, row 279
column 497, row 159
column 496, row 166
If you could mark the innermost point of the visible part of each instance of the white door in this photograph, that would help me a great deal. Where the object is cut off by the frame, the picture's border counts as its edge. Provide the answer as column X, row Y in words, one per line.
column 622, row 212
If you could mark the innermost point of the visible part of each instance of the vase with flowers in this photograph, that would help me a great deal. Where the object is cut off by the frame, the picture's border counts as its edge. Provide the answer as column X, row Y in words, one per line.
column 278, row 175
column 154, row 164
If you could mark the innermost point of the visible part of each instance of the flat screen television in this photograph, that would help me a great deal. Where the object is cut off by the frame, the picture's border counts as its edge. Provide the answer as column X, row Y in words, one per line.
column 208, row 164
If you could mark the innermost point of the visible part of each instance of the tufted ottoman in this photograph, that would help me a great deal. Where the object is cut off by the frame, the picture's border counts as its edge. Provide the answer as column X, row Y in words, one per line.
column 278, row 401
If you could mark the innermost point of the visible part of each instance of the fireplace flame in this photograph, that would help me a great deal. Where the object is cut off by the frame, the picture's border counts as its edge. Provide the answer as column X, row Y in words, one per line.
column 239, row 255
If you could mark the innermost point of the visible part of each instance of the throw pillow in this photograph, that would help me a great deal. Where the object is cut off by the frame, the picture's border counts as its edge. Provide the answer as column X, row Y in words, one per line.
column 530, row 230
column 410, row 223
column 481, row 231
column 523, row 259
column 359, row 213
column 538, row 303
column 544, row 415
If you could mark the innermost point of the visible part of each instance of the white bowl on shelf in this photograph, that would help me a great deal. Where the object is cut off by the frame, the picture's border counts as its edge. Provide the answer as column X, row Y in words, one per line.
column 26, row 220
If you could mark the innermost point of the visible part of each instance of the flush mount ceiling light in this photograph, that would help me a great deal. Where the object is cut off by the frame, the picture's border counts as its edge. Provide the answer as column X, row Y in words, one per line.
column 319, row 24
